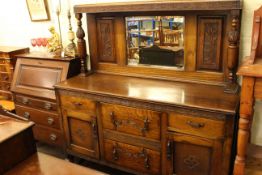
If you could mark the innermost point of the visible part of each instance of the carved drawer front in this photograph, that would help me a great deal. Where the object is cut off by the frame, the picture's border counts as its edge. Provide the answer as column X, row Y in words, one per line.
column 48, row 135
column 132, row 157
column 77, row 104
column 81, row 133
column 194, row 125
column 35, row 103
column 39, row 117
column 129, row 120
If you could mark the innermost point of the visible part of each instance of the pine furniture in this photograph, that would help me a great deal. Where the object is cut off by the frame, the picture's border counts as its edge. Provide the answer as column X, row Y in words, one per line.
column 251, row 90
column 155, row 119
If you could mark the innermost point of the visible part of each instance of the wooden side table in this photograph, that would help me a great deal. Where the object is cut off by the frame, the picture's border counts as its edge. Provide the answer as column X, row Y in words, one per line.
column 251, row 90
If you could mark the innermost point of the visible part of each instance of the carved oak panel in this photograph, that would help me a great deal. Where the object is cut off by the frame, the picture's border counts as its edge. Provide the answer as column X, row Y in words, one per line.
column 209, row 43
column 106, row 42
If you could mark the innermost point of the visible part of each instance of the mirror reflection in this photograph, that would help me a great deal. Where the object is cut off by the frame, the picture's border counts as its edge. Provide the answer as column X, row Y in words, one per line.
column 155, row 41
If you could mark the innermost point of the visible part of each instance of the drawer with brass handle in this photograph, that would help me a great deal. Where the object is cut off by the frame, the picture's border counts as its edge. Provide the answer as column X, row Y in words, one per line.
column 78, row 104
column 48, row 135
column 135, row 121
column 35, row 103
column 198, row 126
column 133, row 157
column 39, row 117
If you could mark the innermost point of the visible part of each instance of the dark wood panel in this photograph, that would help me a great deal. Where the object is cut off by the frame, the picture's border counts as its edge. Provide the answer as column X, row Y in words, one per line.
column 106, row 42
column 151, row 5
column 209, row 43
column 199, row 96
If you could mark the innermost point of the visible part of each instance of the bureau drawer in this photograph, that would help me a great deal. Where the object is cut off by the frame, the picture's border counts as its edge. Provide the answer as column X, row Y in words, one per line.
column 78, row 104
column 32, row 102
column 132, row 157
column 6, row 77
column 194, row 125
column 48, row 135
column 5, row 86
column 135, row 121
column 39, row 117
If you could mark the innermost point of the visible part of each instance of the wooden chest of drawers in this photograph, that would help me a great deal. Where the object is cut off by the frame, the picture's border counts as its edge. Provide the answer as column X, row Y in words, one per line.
column 110, row 124
column 34, row 93
column 7, row 64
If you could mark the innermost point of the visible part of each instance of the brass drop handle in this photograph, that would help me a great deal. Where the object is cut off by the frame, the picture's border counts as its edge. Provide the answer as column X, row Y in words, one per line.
column 146, row 162
column 169, row 149
column 48, row 106
column 146, row 126
column 25, row 101
column 113, row 119
column 195, row 124
column 77, row 104
column 50, row 120
column 53, row 137
column 94, row 127
column 27, row 115
column 115, row 153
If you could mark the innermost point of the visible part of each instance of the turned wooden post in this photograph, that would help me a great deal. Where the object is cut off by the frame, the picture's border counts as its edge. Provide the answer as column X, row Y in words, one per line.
column 81, row 44
column 246, row 115
column 232, row 54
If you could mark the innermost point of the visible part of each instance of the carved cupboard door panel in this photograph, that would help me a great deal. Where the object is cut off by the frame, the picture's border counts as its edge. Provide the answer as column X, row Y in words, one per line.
column 193, row 155
column 81, row 133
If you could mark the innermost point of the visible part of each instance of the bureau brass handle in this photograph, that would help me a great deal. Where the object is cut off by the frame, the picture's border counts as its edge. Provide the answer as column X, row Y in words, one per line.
column 6, row 78
column 195, row 124
column 115, row 153
column 50, row 120
column 25, row 101
column 48, row 106
column 53, row 137
column 94, row 127
column 77, row 104
column 27, row 115
column 146, row 126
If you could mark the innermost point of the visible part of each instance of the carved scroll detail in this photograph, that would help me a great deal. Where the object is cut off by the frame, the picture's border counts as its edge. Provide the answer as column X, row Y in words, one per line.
column 191, row 162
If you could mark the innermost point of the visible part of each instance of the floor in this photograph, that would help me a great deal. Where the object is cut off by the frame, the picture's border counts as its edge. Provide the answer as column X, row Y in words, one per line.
column 254, row 160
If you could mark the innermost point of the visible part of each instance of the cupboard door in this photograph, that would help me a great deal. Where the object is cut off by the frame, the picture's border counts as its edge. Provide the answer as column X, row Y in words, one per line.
column 193, row 155
column 81, row 133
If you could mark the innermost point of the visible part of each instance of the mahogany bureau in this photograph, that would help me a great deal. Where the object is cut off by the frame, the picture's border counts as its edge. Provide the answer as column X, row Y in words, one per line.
column 7, row 64
column 161, row 96
column 34, row 94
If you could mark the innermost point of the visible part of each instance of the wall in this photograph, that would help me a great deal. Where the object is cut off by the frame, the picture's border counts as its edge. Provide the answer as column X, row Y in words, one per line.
column 17, row 29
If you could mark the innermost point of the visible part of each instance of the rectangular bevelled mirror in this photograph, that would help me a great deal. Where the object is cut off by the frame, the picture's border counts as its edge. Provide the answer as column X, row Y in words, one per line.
column 155, row 41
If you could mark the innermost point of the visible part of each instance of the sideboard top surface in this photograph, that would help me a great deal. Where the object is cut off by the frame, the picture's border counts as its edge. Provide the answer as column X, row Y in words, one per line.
column 156, row 5
column 204, row 97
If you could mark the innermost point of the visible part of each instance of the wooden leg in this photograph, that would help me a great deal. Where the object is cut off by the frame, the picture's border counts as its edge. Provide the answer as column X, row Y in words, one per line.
column 246, row 115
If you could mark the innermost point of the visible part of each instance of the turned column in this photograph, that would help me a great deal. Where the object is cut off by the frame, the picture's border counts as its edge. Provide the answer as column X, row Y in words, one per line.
column 232, row 54
column 81, row 44
column 245, row 121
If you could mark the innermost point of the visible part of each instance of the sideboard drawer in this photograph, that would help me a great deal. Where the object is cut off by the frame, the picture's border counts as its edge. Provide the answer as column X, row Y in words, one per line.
column 39, row 117
column 78, row 104
column 32, row 102
column 132, row 157
column 141, row 122
column 5, row 77
column 196, row 125
column 48, row 135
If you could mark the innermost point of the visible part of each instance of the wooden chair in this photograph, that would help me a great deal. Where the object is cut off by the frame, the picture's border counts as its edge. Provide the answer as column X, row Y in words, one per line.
column 251, row 90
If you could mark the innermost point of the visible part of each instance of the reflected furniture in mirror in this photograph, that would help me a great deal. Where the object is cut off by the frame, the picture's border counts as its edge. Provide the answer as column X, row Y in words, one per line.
column 251, row 90
column 161, row 96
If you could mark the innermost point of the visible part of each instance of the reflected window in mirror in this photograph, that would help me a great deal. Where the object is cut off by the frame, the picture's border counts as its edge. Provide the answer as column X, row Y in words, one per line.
column 155, row 41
